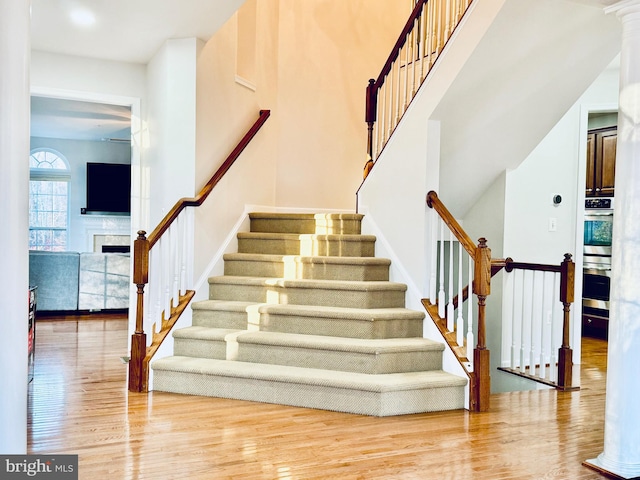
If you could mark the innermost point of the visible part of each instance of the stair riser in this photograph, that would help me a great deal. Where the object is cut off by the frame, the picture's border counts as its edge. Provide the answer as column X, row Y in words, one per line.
column 221, row 319
column 309, row 271
column 200, row 348
column 306, row 226
column 333, row 327
column 307, row 296
column 340, row 327
column 356, row 401
column 357, row 362
column 309, row 247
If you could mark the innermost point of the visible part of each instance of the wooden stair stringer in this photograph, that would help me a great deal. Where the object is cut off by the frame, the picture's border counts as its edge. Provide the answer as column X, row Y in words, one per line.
column 449, row 337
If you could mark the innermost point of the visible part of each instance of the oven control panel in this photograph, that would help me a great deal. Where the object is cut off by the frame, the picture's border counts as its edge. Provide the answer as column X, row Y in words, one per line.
column 598, row 203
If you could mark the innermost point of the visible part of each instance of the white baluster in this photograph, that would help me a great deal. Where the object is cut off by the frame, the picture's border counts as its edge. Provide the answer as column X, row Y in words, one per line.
column 523, row 363
column 423, row 40
column 553, row 360
column 450, row 309
column 184, row 219
column 543, row 362
column 397, row 102
column 433, row 286
column 391, row 88
column 173, row 265
column 460, row 318
column 441, row 295
column 427, row 37
column 470, row 340
column 414, row 58
column 190, row 248
column 532, row 339
column 407, row 48
column 514, row 329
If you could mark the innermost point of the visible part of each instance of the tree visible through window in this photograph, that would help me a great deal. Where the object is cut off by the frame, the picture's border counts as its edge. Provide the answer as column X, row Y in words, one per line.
column 48, row 200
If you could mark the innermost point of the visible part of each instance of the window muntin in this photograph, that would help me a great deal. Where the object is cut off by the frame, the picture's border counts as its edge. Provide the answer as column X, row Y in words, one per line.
column 48, row 201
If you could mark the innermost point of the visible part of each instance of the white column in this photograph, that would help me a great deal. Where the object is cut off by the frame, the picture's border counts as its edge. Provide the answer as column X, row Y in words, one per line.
column 14, row 211
column 621, row 454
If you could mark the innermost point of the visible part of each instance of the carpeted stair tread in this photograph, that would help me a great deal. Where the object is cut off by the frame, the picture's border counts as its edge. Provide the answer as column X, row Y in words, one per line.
column 263, row 257
column 355, row 285
column 340, row 293
column 305, row 222
column 309, row 267
column 360, row 314
column 352, row 322
column 223, row 305
column 310, row 376
column 350, row 245
column 321, row 342
column 344, row 237
column 204, row 333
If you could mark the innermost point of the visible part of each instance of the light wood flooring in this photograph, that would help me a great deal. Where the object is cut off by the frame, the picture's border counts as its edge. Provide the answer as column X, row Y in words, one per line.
column 79, row 404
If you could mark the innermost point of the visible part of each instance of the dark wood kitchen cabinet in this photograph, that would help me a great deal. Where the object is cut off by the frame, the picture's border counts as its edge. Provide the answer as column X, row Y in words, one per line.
column 601, row 162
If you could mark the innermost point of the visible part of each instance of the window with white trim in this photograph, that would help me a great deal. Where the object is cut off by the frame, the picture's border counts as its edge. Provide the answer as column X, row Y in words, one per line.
column 48, row 200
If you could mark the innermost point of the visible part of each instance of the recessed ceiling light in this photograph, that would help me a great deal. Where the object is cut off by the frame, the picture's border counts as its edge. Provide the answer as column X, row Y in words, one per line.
column 82, row 17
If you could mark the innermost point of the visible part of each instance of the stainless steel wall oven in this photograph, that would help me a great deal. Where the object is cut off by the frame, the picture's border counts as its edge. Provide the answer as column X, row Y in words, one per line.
column 598, row 228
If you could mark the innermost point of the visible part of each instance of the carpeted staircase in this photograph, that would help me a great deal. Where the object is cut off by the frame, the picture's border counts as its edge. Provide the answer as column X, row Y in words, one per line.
column 305, row 315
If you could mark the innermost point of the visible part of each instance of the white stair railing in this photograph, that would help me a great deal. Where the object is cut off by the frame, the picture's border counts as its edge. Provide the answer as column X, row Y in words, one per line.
column 536, row 321
column 454, row 268
column 162, row 261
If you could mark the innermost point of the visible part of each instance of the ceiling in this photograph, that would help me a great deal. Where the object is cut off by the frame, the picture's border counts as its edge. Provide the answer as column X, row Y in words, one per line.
column 119, row 30
column 71, row 119
column 123, row 30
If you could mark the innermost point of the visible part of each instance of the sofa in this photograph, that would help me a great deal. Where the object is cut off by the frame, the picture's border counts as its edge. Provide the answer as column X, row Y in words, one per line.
column 74, row 281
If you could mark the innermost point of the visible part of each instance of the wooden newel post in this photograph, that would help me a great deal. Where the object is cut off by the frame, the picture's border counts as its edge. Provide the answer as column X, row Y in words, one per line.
column 481, row 355
column 565, row 353
column 371, row 109
column 137, row 375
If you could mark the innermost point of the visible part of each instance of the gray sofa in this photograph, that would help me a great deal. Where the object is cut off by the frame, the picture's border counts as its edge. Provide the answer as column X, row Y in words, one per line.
column 69, row 281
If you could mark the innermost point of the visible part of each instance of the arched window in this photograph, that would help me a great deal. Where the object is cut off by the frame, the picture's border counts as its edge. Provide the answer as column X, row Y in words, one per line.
column 48, row 200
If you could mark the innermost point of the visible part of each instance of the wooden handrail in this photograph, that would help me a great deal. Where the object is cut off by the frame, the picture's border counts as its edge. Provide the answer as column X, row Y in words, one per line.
column 434, row 202
column 196, row 201
column 140, row 353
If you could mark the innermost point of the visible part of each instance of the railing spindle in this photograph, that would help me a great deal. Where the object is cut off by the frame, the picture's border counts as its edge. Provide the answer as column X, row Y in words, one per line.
column 470, row 341
column 441, row 295
column 433, row 276
column 523, row 362
column 460, row 319
column 450, row 310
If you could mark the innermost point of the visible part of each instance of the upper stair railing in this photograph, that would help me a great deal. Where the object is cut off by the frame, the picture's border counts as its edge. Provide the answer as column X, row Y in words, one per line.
column 537, row 317
column 164, row 268
column 421, row 41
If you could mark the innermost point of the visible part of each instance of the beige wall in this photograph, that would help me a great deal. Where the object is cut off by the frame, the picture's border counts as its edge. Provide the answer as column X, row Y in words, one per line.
column 328, row 51
column 313, row 61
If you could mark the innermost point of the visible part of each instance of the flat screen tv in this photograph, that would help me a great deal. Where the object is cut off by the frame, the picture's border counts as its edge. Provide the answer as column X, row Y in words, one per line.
column 108, row 189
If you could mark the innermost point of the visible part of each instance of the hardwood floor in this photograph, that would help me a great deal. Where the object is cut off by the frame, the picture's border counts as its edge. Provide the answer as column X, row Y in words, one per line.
column 79, row 404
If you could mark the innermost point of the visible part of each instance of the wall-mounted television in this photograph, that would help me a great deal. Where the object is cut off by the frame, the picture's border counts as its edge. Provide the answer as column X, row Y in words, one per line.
column 108, row 189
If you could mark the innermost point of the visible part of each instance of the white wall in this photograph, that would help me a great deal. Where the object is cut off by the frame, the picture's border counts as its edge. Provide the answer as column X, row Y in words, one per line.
column 170, row 158
column 78, row 74
column 14, row 210
column 78, row 153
